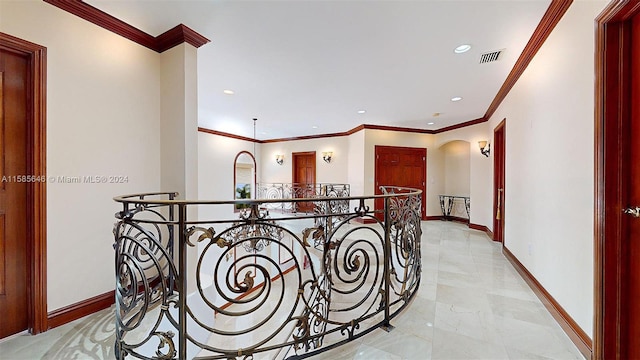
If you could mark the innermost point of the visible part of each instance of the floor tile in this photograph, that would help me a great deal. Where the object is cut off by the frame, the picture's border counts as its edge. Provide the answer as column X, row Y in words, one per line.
column 471, row 304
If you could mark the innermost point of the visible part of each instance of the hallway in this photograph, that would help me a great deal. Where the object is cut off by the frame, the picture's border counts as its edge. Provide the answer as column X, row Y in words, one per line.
column 471, row 304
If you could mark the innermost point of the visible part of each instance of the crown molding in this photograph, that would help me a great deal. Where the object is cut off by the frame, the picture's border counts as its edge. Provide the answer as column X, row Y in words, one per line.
column 233, row 136
column 182, row 33
column 461, row 125
column 160, row 43
column 550, row 19
column 319, row 136
column 396, row 128
column 309, row 137
column 176, row 36
column 352, row 131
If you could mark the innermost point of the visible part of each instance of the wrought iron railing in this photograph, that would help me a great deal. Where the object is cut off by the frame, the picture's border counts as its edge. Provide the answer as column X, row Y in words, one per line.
column 338, row 209
column 286, row 191
column 251, row 287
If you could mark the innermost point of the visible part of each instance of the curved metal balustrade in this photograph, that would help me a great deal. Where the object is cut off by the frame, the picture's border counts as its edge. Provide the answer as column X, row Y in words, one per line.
column 251, row 287
column 285, row 191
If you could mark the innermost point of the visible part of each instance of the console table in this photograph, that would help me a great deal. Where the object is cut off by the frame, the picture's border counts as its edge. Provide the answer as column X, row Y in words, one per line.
column 446, row 204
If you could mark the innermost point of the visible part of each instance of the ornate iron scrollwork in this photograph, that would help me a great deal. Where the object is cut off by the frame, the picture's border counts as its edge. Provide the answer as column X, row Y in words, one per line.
column 295, row 283
column 166, row 339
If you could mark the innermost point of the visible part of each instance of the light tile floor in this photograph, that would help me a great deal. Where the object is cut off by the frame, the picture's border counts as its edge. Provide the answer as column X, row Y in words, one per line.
column 471, row 304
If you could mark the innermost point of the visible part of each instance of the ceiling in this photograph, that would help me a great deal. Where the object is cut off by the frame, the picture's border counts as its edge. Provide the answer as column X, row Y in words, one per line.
column 307, row 67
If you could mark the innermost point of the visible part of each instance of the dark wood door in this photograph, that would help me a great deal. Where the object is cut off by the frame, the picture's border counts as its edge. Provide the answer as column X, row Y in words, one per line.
column 498, row 181
column 400, row 166
column 631, row 223
column 617, row 167
column 13, row 192
column 304, row 178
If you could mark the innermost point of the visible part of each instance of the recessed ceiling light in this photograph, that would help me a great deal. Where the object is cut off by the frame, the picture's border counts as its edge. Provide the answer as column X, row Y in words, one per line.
column 228, row 92
column 456, row 98
column 430, row 123
column 462, row 49
column 314, row 127
column 362, row 111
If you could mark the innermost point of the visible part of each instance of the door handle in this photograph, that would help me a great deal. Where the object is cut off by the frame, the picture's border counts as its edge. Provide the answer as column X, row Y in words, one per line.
column 499, row 204
column 635, row 212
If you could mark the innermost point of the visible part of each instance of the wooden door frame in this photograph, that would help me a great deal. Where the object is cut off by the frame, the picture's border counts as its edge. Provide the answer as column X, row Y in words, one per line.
column 301, row 206
column 376, row 190
column 612, row 116
column 499, row 235
column 293, row 163
column 36, row 165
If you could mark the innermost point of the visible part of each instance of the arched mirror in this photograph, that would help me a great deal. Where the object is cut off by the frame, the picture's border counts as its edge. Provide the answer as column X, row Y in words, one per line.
column 244, row 177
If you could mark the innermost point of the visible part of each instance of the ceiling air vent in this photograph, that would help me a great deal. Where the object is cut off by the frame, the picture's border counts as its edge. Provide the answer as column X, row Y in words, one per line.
column 490, row 56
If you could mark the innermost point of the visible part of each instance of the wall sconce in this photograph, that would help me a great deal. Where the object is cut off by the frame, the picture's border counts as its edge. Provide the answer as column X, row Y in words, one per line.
column 326, row 156
column 485, row 148
column 279, row 159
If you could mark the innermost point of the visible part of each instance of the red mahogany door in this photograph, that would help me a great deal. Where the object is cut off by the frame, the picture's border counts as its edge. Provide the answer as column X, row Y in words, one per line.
column 403, row 167
column 14, row 273
column 617, row 206
column 304, row 178
column 631, row 222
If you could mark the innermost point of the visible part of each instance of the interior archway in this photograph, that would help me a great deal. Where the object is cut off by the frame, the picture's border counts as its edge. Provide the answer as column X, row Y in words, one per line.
column 456, row 178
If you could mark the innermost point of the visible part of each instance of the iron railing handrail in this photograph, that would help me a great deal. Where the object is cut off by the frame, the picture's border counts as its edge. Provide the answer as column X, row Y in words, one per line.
column 131, row 198
column 363, row 277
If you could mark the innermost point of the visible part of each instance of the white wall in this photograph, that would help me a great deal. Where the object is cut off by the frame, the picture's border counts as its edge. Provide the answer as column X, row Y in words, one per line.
column 355, row 167
column 179, row 121
column 549, row 163
column 456, row 163
column 215, row 162
column 103, row 110
column 333, row 172
column 456, row 173
column 352, row 162
column 179, row 131
column 355, row 171
column 480, row 170
column 216, row 155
